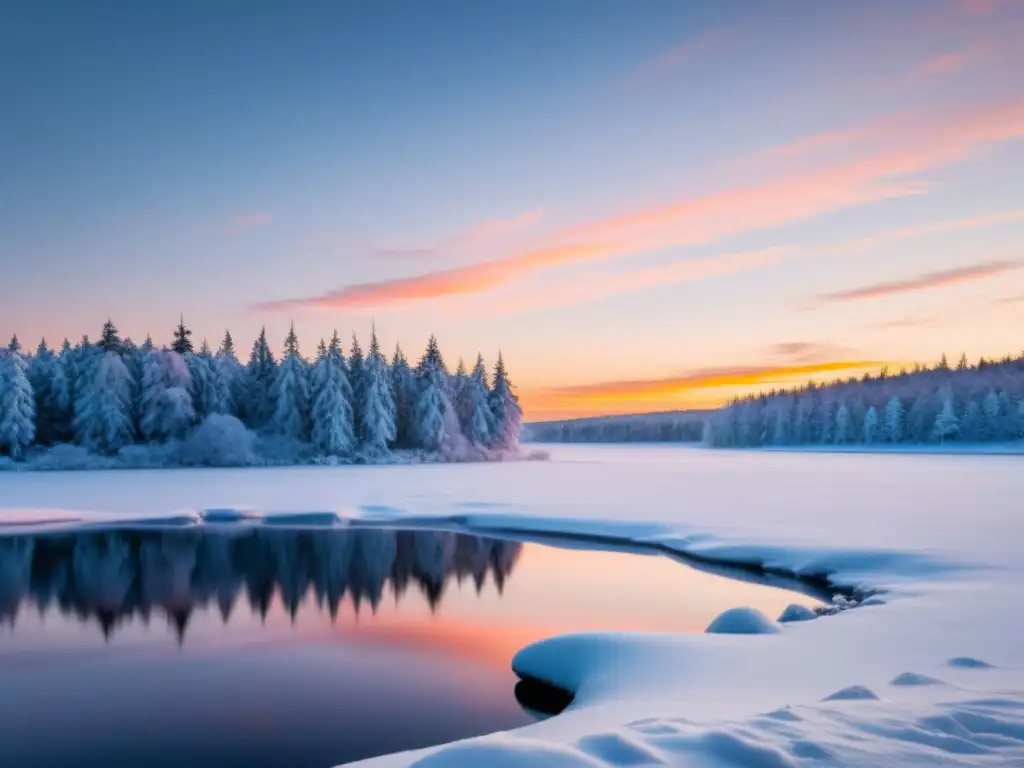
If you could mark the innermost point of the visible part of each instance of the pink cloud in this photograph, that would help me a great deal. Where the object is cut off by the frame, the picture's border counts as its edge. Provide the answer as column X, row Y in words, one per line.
column 923, row 282
column 247, row 222
column 877, row 173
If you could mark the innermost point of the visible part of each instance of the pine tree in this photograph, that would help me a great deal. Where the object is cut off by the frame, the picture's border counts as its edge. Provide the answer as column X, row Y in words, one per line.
column 182, row 343
column 331, row 416
column 475, row 412
column 403, row 384
column 432, row 403
column 508, row 416
column 229, row 376
column 990, row 407
column 894, row 420
column 260, row 374
column 782, row 431
column 378, row 421
column 166, row 408
column 357, row 379
column 972, row 425
column 208, row 394
column 109, row 340
column 14, row 345
column 17, row 404
column 103, row 421
column 843, row 430
column 290, row 392
column 962, row 365
column 871, row 426
column 946, row 424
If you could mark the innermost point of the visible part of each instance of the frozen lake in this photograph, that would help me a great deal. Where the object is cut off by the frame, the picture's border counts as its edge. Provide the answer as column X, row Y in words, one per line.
column 915, row 527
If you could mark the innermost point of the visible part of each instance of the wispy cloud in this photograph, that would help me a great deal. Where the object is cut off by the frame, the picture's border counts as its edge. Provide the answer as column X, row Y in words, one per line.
column 705, row 43
column 247, row 222
column 876, row 174
column 710, row 378
column 574, row 292
column 924, row 230
column 480, row 236
column 807, row 352
column 957, row 61
column 925, row 282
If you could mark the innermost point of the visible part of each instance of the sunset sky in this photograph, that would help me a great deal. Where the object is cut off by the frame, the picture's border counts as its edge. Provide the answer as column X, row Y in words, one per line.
column 645, row 206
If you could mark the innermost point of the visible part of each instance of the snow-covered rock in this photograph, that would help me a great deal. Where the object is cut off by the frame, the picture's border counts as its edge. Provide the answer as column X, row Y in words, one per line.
column 742, row 621
column 796, row 612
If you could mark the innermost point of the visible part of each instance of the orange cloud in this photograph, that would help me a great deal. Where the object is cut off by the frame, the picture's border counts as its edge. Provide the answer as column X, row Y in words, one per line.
column 711, row 379
column 876, row 175
column 922, row 282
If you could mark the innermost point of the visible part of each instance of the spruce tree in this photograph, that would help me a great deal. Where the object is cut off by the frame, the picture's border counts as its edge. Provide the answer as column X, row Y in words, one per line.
column 475, row 416
column 290, row 392
column 403, row 385
column 53, row 402
column 508, row 416
column 431, row 412
column 103, row 410
column 331, row 415
column 109, row 339
column 260, row 374
column 378, row 418
column 165, row 403
column 17, row 404
column 182, row 343
column 946, row 426
column 893, row 426
column 229, row 376
column 357, row 379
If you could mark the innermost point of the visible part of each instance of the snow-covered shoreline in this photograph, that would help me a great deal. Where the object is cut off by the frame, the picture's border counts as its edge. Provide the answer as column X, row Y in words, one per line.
column 941, row 546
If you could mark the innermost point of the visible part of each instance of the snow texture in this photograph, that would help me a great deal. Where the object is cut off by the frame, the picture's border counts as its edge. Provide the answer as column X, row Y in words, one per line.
column 936, row 536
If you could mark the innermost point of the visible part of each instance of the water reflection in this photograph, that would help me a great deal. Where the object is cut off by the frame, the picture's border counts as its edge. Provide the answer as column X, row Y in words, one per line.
column 112, row 577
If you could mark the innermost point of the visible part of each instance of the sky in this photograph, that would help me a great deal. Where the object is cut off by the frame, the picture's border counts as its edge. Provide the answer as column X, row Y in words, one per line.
column 643, row 207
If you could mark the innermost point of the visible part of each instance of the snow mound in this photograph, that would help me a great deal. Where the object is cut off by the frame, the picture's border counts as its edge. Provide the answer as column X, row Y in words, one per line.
column 502, row 751
column 912, row 678
column 742, row 621
column 618, row 749
column 966, row 662
column 852, row 693
column 796, row 612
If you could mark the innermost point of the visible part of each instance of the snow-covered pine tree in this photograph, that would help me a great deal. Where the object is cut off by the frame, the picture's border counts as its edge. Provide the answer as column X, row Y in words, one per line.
column 946, row 427
column 870, row 426
column 182, row 343
column 893, row 426
column 403, row 384
column 229, row 376
column 972, row 425
column 331, row 410
column 166, row 409
column 260, row 374
column 50, row 389
column 990, row 407
column 475, row 416
column 508, row 416
column 290, row 392
column 843, row 429
column 14, row 345
column 103, row 411
column 17, row 404
column 378, row 421
column 782, row 432
column 432, row 403
column 208, row 394
column 357, row 380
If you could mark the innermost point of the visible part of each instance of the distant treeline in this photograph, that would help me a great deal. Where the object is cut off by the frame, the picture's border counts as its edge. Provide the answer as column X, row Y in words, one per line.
column 669, row 427
column 966, row 403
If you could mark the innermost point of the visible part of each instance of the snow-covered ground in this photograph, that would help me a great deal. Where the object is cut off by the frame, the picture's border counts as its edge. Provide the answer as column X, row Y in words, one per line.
column 933, row 675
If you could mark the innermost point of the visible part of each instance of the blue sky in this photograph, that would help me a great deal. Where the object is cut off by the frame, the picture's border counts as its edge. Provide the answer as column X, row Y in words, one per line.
column 625, row 200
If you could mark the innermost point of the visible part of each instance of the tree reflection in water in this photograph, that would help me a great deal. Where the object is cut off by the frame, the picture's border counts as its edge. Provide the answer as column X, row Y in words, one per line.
column 114, row 576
